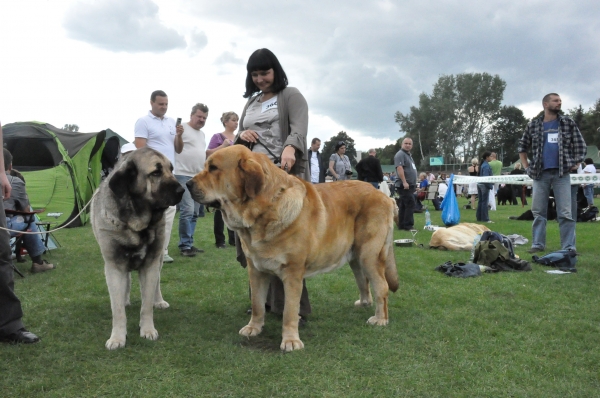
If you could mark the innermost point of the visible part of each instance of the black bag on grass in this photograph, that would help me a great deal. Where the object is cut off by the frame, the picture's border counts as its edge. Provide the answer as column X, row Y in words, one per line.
column 561, row 259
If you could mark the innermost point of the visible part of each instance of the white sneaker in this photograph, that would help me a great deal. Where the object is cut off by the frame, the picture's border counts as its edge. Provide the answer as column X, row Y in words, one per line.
column 167, row 259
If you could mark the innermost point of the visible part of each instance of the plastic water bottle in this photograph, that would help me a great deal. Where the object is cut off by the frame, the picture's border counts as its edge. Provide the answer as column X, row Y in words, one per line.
column 475, row 241
column 427, row 218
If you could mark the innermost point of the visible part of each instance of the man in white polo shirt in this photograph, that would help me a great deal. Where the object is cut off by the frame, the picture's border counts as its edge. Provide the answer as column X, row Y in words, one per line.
column 188, row 163
column 160, row 133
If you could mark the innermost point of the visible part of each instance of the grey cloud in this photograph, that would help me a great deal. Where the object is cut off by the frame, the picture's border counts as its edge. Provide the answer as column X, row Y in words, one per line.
column 364, row 60
column 198, row 41
column 228, row 58
column 121, row 25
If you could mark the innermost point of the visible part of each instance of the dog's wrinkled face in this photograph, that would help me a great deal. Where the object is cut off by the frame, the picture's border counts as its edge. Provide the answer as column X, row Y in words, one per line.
column 230, row 175
column 145, row 173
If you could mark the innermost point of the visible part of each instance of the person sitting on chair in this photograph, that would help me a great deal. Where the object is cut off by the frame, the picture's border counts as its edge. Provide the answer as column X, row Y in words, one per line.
column 19, row 201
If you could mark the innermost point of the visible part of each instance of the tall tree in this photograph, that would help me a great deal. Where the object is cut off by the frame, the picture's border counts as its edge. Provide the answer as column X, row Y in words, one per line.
column 508, row 127
column 456, row 118
column 329, row 147
column 71, row 127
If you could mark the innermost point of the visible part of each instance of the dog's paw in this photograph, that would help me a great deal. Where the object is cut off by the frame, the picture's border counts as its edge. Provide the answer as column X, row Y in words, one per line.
column 114, row 343
column 250, row 331
column 291, row 345
column 150, row 334
column 377, row 321
column 161, row 304
column 363, row 303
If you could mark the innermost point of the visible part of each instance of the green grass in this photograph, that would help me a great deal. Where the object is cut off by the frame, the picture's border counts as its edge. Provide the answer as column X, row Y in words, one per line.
column 526, row 334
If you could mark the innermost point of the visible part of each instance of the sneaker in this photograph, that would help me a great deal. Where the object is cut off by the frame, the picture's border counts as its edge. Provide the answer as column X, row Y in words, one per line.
column 489, row 221
column 44, row 266
column 188, row 253
column 221, row 246
column 535, row 250
column 196, row 250
column 167, row 259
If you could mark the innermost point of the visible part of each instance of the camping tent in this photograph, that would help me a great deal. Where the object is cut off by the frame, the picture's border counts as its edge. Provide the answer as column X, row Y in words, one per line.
column 61, row 168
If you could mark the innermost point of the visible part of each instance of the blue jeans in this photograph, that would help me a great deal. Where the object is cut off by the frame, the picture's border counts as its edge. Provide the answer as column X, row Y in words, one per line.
column 561, row 186
column 588, row 191
column 32, row 243
column 483, row 192
column 189, row 211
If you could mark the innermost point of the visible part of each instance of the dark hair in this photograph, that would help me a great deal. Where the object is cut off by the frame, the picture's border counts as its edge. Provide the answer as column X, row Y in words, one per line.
column 7, row 159
column 264, row 59
column 485, row 155
column 588, row 161
column 314, row 140
column 157, row 93
column 547, row 97
column 339, row 145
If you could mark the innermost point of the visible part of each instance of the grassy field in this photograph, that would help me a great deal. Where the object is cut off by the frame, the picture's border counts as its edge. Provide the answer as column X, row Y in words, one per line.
column 526, row 334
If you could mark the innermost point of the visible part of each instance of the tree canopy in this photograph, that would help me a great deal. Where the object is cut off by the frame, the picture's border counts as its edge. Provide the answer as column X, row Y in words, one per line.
column 455, row 119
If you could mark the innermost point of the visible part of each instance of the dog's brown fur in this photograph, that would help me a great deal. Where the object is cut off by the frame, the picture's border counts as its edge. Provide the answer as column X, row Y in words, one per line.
column 458, row 237
column 294, row 229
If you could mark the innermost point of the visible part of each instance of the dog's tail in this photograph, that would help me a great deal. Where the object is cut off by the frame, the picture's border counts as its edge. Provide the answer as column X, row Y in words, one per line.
column 391, row 272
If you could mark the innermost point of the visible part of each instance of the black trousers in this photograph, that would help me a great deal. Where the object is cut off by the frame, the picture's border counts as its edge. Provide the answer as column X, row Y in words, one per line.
column 10, row 306
column 218, row 229
column 406, row 208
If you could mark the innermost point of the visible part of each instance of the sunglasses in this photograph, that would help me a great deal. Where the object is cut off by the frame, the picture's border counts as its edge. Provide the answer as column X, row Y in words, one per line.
column 340, row 143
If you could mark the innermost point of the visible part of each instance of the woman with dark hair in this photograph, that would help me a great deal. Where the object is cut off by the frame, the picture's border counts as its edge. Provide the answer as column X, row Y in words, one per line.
column 275, row 122
column 484, row 188
column 339, row 164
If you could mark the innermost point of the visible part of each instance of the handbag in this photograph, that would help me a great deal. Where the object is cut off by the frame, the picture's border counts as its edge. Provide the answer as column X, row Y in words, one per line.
column 421, row 195
column 450, row 210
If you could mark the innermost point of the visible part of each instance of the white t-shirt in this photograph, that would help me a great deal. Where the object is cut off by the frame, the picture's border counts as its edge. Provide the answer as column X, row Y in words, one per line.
column 590, row 168
column 442, row 189
column 314, row 168
column 191, row 159
column 159, row 134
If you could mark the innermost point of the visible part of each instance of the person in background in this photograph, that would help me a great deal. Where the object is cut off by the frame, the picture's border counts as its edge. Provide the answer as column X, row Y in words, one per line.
column 406, row 185
column 556, row 148
column 588, row 189
column 217, row 142
column 188, row 163
column 315, row 164
column 473, row 170
column 484, row 188
column 369, row 169
column 159, row 132
column 275, row 121
column 12, row 329
column 496, row 167
column 519, row 190
column 339, row 164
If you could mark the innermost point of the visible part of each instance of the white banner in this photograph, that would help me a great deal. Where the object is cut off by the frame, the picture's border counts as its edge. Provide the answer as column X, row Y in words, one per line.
column 523, row 179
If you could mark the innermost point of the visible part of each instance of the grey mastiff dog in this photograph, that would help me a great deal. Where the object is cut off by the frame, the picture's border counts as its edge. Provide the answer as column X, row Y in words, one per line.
column 128, row 221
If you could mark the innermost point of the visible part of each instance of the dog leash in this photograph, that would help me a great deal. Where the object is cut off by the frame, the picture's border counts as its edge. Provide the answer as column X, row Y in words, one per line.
column 56, row 229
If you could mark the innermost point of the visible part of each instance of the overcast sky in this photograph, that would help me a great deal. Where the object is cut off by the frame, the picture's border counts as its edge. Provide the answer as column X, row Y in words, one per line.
column 95, row 63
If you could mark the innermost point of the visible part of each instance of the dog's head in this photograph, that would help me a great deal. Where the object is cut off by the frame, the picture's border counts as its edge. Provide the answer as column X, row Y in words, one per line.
column 146, row 175
column 232, row 174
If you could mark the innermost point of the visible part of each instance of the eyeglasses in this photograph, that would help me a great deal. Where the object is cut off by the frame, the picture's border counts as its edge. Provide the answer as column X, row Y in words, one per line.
column 341, row 143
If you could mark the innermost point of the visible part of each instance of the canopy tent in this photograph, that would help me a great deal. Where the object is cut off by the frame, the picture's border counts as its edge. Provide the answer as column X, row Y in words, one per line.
column 61, row 168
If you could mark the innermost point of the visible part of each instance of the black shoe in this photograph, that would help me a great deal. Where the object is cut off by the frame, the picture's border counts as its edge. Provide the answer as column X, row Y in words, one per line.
column 21, row 336
column 221, row 246
column 196, row 250
column 231, row 243
column 188, row 253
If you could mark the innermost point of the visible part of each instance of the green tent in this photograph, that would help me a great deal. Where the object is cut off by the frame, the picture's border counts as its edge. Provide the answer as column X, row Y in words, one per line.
column 61, row 168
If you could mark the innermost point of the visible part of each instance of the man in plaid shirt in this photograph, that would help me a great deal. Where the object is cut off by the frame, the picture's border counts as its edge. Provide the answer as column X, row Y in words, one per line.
column 556, row 147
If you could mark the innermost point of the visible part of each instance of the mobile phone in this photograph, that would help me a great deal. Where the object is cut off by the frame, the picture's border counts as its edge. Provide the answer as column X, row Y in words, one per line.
column 178, row 121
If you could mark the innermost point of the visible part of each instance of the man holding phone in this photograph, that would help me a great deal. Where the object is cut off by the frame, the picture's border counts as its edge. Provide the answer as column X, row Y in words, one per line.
column 188, row 163
column 161, row 133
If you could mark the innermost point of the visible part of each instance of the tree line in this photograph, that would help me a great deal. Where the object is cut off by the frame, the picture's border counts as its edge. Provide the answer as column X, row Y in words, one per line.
column 462, row 117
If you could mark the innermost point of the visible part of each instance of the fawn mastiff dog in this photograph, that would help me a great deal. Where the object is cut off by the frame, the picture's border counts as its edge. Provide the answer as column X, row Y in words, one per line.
column 294, row 229
column 128, row 221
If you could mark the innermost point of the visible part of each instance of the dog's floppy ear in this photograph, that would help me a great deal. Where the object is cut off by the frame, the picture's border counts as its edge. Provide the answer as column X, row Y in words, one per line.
column 122, row 179
column 253, row 175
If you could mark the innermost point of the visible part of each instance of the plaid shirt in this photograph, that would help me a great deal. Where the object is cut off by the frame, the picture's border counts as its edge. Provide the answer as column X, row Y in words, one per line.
column 571, row 146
